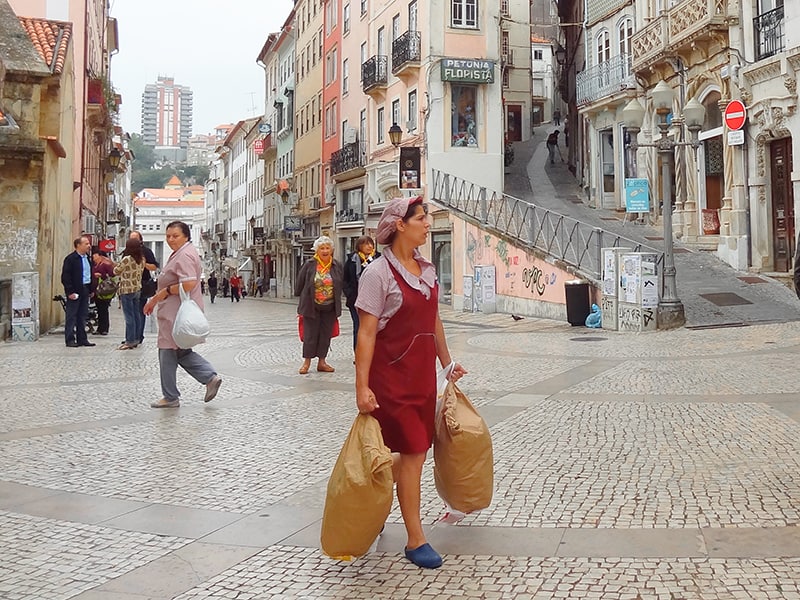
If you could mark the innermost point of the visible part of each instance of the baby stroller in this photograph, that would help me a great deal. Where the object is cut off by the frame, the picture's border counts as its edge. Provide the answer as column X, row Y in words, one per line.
column 91, row 318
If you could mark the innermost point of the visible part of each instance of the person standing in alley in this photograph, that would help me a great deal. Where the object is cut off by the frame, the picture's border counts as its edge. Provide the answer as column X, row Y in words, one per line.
column 356, row 263
column 557, row 117
column 129, row 270
column 102, row 270
column 552, row 147
column 76, row 277
column 259, row 287
column 148, row 283
column 236, row 286
column 212, row 287
column 183, row 269
column 319, row 286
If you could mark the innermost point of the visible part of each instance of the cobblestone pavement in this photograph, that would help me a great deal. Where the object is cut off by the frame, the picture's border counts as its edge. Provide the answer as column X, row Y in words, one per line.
column 627, row 467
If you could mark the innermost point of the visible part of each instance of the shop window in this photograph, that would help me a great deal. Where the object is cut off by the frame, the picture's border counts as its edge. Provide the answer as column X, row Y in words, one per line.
column 464, row 125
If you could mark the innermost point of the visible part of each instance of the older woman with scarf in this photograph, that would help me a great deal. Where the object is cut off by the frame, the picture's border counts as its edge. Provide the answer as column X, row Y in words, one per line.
column 319, row 286
column 400, row 336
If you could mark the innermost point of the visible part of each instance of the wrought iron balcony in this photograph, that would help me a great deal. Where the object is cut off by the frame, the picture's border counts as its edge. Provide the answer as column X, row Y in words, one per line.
column 605, row 79
column 348, row 157
column 768, row 31
column 689, row 22
column 406, row 51
column 349, row 215
column 375, row 73
column 507, row 59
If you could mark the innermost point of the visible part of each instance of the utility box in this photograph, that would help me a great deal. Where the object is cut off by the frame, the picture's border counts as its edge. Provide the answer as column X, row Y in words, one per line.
column 469, row 294
column 484, row 289
column 610, row 287
column 25, row 307
column 637, row 301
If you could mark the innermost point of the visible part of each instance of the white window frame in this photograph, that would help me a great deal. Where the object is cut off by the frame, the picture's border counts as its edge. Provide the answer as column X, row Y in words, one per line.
column 464, row 14
column 345, row 76
column 412, row 109
column 381, row 125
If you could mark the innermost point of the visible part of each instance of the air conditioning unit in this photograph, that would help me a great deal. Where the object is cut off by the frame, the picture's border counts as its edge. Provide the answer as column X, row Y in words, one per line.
column 411, row 125
column 330, row 194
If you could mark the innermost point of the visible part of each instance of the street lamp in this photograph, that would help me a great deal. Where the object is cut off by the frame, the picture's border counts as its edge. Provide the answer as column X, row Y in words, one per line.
column 670, row 308
column 114, row 158
column 395, row 134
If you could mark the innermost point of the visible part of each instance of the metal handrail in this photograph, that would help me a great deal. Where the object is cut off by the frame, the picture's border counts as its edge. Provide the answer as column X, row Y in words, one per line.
column 575, row 243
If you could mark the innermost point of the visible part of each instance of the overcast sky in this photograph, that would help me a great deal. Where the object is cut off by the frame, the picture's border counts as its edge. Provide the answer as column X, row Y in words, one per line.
column 208, row 45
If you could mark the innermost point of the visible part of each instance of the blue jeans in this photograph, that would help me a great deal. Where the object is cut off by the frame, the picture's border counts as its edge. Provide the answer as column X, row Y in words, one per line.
column 354, row 315
column 133, row 317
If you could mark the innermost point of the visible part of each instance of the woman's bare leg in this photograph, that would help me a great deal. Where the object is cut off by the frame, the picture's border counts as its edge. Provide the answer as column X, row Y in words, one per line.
column 408, row 474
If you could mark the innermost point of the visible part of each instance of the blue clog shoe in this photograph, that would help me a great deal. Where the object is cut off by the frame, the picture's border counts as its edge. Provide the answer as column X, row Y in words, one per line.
column 425, row 557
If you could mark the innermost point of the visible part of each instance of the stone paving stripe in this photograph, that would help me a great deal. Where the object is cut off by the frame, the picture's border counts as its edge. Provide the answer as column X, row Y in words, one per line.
column 82, row 508
column 271, row 525
column 570, row 378
column 163, row 519
column 168, row 575
column 522, row 400
column 753, row 542
column 631, row 543
column 18, row 494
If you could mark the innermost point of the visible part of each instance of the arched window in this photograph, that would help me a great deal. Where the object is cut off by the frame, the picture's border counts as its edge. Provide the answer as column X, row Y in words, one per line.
column 624, row 35
column 603, row 47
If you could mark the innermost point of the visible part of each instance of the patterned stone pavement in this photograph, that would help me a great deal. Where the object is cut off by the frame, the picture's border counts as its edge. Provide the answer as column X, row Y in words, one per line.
column 650, row 466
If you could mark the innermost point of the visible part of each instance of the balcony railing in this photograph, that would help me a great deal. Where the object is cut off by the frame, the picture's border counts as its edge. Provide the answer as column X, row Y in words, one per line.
column 348, row 157
column 605, row 79
column 406, row 51
column 768, row 30
column 374, row 73
column 348, row 215
column 507, row 59
column 680, row 26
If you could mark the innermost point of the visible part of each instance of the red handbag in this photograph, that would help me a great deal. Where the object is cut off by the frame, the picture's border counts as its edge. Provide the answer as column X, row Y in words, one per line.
column 300, row 327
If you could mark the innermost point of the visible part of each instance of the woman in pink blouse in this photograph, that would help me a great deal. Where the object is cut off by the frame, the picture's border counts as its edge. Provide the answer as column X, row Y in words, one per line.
column 319, row 285
column 183, row 269
column 400, row 336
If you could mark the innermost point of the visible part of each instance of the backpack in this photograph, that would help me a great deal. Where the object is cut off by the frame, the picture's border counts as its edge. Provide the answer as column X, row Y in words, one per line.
column 107, row 288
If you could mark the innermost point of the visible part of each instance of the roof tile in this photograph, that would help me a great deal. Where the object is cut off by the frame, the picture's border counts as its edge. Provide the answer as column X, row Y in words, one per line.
column 51, row 40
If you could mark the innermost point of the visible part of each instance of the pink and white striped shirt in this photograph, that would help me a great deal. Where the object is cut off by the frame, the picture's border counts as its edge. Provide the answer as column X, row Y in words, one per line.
column 378, row 291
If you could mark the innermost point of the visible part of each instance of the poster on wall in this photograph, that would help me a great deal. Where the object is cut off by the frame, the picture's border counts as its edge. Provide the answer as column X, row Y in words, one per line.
column 468, row 294
column 410, row 168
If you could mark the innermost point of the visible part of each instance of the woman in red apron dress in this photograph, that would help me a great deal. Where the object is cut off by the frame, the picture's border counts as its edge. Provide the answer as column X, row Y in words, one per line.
column 400, row 337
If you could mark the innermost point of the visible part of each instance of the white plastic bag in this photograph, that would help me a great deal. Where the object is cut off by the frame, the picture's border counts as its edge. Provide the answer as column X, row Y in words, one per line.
column 191, row 326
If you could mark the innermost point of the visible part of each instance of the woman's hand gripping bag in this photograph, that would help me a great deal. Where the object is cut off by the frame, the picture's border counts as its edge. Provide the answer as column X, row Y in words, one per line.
column 462, row 452
column 359, row 496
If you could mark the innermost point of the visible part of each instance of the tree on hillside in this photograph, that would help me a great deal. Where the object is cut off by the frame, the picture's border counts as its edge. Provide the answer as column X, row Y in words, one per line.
column 145, row 155
column 151, row 178
column 194, row 175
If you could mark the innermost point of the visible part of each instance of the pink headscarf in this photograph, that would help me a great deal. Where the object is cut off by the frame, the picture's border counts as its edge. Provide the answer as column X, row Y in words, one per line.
column 394, row 211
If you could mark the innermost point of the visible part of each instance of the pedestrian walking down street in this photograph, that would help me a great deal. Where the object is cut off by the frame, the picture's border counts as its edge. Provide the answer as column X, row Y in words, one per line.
column 212, row 287
column 319, row 286
column 356, row 263
column 259, row 287
column 129, row 270
column 225, row 287
column 103, row 269
column 552, row 147
column 183, row 269
column 557, row 117
column 400, row 336
column 236, row 287
column 76, row 277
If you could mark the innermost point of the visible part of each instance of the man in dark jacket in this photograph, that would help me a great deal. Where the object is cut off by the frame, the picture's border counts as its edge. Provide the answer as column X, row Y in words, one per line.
column 76, row 277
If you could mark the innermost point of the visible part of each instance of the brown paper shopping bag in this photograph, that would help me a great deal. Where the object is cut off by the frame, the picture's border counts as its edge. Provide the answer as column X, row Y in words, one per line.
column 462, row 452
column 359, row 495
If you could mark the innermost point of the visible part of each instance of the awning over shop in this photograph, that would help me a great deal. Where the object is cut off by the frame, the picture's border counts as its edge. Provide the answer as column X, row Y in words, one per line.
column 247, row 265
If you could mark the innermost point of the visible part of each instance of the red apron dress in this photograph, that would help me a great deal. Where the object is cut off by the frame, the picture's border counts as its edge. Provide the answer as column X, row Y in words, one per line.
column 403, row 372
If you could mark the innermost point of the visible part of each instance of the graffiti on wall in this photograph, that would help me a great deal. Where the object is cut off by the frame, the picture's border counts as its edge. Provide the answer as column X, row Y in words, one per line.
column 536, row 280
column 16, row 243
column 634, row 318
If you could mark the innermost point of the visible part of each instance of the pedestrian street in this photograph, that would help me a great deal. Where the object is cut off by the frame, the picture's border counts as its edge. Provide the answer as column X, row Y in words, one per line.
column 661, row 465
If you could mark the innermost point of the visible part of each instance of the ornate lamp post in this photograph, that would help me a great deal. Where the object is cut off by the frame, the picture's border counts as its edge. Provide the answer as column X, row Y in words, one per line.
column 670, row 308
column 395, row 134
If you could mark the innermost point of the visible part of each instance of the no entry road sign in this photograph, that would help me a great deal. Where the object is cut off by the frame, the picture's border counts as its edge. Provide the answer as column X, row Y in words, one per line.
column 735, row 115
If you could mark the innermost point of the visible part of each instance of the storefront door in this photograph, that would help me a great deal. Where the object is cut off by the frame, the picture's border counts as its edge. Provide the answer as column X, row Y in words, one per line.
column 780, row 154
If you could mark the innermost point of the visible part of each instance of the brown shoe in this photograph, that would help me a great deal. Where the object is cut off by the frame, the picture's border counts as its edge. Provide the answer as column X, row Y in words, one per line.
column 212, row 387
column 164, row 403
column 326, row 368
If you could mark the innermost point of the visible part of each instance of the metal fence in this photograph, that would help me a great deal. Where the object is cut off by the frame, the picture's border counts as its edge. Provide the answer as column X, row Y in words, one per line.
column 573, row 242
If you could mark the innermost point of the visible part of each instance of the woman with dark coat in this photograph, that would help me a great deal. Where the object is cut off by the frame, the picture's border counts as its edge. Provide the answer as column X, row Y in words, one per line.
column 356, row 263
column 319, row 285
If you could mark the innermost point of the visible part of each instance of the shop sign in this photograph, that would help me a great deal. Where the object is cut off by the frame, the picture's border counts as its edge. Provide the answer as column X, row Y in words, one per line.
column 468, row 70
column 292, row 223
